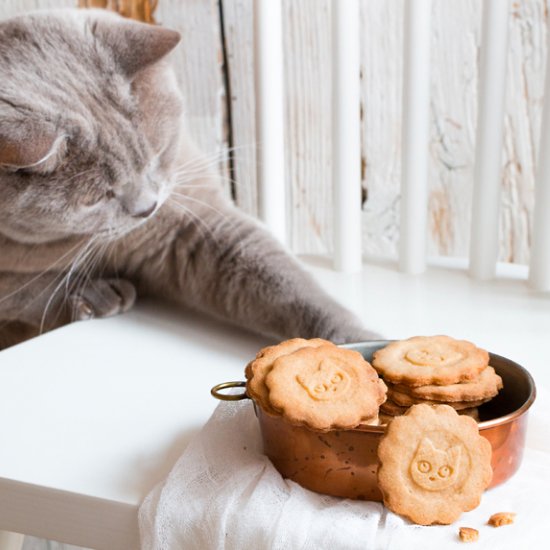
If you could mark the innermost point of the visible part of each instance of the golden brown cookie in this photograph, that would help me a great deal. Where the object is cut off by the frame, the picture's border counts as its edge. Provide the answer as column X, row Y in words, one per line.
column 434, row 465
column 404, row 400
column 468, row 534
column 257, row 370
column 486, row 385
column 423, row 360
column 325, row 388
column 390, row 408
column 501, row 518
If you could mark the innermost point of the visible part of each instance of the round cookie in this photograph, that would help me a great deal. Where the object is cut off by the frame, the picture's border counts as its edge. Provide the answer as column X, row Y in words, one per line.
column 404, row 400
column 325, row 388
column 423, row 360
column 486, row 385
column 434, row 465
column 258, row 369
column 390, row 408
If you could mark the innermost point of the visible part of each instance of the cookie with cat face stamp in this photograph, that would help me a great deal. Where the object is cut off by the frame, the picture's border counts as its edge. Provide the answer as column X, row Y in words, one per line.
column 434, row 465
column 325, row 388
column 259, row 368
column 423, row 360
column 485, row 386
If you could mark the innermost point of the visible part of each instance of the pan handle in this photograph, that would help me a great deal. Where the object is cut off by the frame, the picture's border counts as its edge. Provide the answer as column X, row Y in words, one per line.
column 216, row 391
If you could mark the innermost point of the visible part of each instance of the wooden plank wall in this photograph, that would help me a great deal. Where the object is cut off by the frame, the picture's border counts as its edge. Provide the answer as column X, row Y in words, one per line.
column 455, row 55
column 218, row 121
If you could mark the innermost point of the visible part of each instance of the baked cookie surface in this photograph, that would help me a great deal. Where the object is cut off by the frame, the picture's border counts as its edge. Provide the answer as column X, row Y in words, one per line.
column 404, row 400
column 485, row 386
column 434, row 465
column 325, row 388
column 423, row 360
column 259, row 368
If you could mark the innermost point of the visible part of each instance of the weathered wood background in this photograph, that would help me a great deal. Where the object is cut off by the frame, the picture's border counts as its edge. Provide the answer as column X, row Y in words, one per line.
column 215, row 70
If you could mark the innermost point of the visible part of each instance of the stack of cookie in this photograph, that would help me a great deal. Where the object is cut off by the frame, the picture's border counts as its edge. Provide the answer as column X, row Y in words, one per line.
column 316, row 384
column 436, row 370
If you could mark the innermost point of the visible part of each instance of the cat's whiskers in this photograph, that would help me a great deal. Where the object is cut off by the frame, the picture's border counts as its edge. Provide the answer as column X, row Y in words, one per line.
column 80, row 174
column 65, row 278
column 88, row 271
column 201, row 225
column 41, row 274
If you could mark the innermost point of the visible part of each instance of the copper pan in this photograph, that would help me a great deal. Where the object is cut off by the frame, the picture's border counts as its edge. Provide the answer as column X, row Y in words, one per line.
column 344, row 463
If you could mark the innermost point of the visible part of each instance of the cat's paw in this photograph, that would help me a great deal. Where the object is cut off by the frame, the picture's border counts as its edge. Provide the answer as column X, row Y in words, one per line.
column 102, row 298
column 350, row 334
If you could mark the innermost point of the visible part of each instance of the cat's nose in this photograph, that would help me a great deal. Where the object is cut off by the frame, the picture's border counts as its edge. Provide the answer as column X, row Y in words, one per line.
column 145, row 213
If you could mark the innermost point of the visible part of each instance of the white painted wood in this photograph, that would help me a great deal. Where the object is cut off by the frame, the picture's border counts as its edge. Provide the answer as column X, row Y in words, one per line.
column 239, row 44
column 539, row 267
column 103, row 421
column 454, row 52
column 381, row 107
column 346, row 136
column 9, row 8
column 199, row 62
column 455, row 36
column 484, row 249
column 416, row 110
column 11, row 541
column 269, row 86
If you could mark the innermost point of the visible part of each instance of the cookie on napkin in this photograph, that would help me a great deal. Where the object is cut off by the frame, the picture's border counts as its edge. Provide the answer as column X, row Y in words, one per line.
column 434, row 465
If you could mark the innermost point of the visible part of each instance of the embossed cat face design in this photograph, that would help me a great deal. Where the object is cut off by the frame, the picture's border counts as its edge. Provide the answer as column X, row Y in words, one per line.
column 432, row 357
column 327, row 383
column 434, row 469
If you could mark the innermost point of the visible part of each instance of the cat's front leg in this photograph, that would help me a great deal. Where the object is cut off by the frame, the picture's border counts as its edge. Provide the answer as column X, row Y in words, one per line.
column 102, row 298
column 229, row 266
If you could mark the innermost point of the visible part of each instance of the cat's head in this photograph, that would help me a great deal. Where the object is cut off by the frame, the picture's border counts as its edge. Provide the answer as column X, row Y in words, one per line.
column 90, row 123
column 435, row 469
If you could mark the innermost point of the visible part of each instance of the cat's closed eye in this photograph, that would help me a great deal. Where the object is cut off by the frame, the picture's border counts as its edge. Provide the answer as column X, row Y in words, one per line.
column 25, row 162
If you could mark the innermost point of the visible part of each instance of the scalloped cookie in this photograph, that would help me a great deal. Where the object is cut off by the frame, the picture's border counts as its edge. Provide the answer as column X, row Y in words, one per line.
column 434, row 465
column 325, row 388
column 423, row 360
column 259, row 368
column 404, row 400
column 485, row 386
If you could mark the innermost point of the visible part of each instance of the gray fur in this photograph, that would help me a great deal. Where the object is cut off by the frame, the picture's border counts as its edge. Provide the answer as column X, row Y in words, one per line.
column 102, row 193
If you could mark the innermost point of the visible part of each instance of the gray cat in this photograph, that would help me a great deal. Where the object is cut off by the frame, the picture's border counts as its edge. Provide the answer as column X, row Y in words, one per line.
column 103, row 197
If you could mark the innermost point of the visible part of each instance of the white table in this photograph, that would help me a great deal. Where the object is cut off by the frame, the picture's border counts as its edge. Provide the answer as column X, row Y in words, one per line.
column 92, row 416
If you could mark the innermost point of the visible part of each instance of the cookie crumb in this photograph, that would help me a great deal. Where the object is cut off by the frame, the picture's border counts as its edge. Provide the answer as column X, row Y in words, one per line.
column 467, row 534
column 501, row 518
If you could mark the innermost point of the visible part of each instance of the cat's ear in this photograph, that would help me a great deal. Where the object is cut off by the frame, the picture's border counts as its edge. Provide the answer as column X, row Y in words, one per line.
column 27, row 145
column 426, row 446
column 135, row 45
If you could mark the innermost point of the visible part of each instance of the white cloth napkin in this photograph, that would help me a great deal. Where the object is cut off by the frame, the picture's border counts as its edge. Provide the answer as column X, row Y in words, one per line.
column 223, row 493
